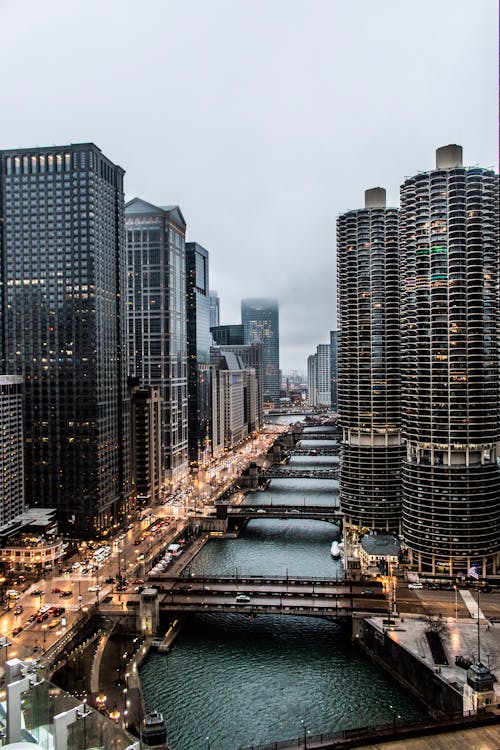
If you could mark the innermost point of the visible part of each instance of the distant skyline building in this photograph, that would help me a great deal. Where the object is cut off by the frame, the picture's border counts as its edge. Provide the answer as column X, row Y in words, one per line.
column 157, row 322
column 234, row 335
column 251, row 358
column 63, row 328
column 450, row 365
column 230, row 417
column 260, row 318
column 199, row 342
column 323, row 377
column 312, row 379
column 11, row 448
column 318, row 377
column 214, row 308
column 368, row 366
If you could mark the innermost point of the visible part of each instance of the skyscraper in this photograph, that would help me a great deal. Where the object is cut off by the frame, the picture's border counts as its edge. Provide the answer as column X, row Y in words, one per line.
column 199, row 340
column 214, row 308
column 157, row 320
column 450, row 365
column 334, row 342
column 369, row 377
column 233, row 334
column 260, row 318
column 63, row 327
column 312, row 379
column 11, row 448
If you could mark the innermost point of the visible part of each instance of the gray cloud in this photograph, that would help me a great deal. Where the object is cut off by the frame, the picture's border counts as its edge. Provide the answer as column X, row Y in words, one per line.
column 263, row 120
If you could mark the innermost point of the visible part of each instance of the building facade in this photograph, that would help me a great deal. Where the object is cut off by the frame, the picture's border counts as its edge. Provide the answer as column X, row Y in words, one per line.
column 63, row 328
column 323, row 377
column 312, row 366
column 157, row 334
column 214, row 308
column 198, row 341
column 232, row 335
column 450, row 365
column 11, row 448
column 260, row 318
column 251, row 358
column 334, row 377
column 146, row 453
column 369, row 368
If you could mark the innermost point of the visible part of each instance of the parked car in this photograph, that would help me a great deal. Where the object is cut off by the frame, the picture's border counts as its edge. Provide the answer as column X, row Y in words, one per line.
column 17, row 630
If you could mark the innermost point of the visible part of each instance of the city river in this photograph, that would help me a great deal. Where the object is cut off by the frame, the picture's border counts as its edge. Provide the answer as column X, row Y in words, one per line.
column 240, row 681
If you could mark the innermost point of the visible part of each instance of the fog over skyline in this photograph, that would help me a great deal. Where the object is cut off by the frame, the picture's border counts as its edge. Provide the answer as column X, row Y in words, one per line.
column 263, row 120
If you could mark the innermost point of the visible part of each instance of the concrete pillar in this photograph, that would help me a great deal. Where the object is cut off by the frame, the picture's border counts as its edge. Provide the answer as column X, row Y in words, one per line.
column 149, row 612
column 62, row 722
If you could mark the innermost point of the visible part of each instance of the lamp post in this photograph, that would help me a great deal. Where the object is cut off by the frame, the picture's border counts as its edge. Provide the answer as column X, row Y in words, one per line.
column 44, row 630
column 304, row 727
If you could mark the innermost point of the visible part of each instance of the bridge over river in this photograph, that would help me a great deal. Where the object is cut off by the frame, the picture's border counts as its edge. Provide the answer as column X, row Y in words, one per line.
column 262, row 595
column 281, row 471
column 310, row 512
column 333, row 451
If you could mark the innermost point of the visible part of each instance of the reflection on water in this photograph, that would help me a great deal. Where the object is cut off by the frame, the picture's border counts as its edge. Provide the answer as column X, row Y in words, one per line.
column 241, row 681
column 245, row 681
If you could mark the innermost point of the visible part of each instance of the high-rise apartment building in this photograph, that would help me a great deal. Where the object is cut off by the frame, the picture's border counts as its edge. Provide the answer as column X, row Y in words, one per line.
column 334, row 343
column 450, row 365
column 260, row 318
column 63, row 328
column 369, row 376
column 312, row 379
column 214, row 308
column 199, row 341
column 11, row 448
column 157, row 320
column 318, row 377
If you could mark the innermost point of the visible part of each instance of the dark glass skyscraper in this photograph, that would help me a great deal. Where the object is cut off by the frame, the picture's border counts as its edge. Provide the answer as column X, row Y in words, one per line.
column 157, row 320
column 260, row 318
column 233, row 335
column 199, row 340
column 63, row 327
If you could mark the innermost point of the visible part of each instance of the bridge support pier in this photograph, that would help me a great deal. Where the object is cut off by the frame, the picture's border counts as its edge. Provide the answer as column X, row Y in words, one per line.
column 149, row 612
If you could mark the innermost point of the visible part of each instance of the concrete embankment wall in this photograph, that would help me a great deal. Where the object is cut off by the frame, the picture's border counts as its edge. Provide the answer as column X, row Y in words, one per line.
column 421, row 679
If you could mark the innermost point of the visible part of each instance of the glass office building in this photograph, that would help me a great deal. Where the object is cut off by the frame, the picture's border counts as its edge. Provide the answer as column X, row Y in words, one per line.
column 199, row 340
column 63, row 328
column 157, row 335
column 260, row 318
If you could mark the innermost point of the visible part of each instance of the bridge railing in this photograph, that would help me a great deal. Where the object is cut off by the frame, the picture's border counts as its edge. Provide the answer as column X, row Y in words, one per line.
column 396, row 729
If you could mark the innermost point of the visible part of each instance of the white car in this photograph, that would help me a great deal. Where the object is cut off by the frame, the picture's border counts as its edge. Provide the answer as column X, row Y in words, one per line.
column 416, row 585
column 94, row 588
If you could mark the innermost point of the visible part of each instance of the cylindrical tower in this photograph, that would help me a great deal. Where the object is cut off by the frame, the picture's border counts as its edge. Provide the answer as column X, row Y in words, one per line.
column 450, row 387
column 368, row 364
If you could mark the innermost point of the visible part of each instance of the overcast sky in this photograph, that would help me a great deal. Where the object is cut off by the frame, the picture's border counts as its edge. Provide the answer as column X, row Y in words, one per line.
column 262, row 119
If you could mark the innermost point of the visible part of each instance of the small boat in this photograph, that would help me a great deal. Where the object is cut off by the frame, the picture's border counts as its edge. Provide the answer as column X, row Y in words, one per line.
column 335, row 550
column 154, row 731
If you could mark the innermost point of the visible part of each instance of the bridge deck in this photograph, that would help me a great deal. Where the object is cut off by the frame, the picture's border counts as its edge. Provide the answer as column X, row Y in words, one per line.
column 271, row 595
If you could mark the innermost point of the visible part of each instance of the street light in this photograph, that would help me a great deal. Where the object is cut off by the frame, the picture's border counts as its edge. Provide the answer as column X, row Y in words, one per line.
column 304, row 727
